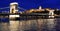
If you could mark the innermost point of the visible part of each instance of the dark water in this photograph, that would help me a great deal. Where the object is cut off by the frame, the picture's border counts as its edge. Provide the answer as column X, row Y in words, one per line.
column 30, row 25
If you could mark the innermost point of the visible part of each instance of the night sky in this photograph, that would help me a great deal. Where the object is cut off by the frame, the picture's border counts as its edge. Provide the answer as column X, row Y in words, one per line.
column 29, row 4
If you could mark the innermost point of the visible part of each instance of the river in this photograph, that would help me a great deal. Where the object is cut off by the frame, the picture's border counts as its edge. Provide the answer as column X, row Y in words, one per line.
column 31, row 25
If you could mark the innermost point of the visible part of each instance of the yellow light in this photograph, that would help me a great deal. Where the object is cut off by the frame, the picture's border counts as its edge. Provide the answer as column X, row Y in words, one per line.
column 13, row 16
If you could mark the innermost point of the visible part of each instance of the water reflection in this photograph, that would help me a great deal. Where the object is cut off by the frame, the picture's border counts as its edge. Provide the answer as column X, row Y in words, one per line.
column 4, row 26
column 14, row 25
column 29, row 25
column 51, row 24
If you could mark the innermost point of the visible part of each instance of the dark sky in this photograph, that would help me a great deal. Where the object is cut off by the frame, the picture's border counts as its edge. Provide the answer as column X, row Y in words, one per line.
column 29, row 4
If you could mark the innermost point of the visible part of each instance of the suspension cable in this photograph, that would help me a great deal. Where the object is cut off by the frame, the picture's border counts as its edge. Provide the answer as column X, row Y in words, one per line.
column 21, row 8
column 9, row 7
column 4, row 8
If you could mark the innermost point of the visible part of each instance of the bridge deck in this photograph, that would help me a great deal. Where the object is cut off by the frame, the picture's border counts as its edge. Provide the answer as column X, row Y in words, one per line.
column 32, row 14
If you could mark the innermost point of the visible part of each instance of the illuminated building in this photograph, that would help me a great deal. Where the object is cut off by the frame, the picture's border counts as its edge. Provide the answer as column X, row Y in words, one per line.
column 40, row 7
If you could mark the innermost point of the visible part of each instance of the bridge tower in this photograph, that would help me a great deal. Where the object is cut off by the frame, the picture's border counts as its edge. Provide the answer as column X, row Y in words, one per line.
column 13, row 7
column 51, row 13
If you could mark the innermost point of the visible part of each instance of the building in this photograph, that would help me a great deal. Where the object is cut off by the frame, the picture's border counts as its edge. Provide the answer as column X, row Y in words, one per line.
column 40, row 7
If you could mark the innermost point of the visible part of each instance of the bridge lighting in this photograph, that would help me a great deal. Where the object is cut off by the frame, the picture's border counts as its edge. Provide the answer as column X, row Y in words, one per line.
column 51, row 13
column 13, row 7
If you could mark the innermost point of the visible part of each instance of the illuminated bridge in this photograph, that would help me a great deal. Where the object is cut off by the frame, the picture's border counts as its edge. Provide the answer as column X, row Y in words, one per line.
column 4, row 12
column 14, row 10
column 7, row 13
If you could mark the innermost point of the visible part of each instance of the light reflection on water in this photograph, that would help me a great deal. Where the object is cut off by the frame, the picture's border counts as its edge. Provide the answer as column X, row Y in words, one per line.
column 29, row 25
